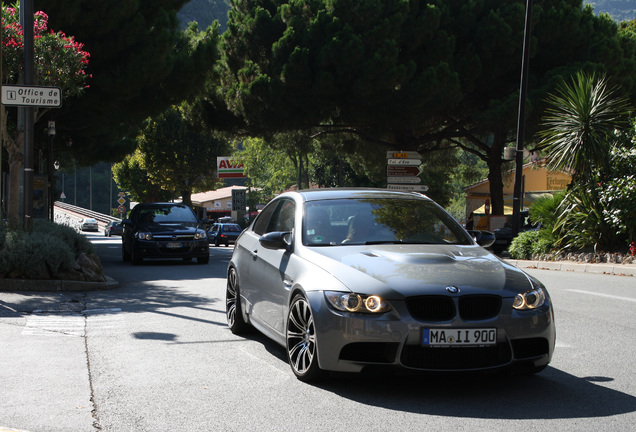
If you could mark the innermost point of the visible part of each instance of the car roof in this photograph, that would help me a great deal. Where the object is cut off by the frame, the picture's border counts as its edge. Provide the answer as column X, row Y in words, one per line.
column 159, row 204
column 344, row 193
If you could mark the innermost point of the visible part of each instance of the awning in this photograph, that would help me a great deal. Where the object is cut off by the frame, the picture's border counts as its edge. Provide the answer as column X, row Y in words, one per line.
column 482, row 210
column 528, row 198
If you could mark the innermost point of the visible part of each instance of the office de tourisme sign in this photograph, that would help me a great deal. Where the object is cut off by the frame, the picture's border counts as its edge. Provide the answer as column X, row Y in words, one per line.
column 35, row 96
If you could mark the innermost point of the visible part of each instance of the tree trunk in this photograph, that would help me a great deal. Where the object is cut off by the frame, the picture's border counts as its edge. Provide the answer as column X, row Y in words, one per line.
column 495, row 177
column 186, row 197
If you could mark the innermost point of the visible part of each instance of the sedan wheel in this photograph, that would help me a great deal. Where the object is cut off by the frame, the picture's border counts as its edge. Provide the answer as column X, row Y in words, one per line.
column 301, row 341
column 134, row 256
column 233, row 310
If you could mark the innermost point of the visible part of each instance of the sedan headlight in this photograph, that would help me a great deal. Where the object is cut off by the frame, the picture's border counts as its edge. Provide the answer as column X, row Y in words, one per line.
column 360, row 303
column 529, row 300
column 144, row 235
column 200, row 235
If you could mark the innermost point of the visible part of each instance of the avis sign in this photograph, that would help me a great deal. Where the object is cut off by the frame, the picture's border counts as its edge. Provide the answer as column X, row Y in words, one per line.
column 226, row 167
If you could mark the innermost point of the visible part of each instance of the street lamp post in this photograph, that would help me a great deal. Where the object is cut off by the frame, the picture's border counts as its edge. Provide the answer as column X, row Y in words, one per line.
column 521, row 121
column 50, row 131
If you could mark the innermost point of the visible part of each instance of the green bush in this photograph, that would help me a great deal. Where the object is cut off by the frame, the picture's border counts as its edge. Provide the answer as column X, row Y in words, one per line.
column 43, row 254
column 77, row 242
column 530, row 243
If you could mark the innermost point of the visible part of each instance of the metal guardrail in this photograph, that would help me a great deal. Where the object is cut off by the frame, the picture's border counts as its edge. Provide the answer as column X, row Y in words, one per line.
column 71, row 215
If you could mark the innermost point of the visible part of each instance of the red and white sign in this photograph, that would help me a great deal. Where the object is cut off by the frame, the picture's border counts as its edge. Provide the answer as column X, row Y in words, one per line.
column 226, row 167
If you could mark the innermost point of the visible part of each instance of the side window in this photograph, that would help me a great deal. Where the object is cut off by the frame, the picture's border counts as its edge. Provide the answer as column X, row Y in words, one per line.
column 262, row 220
column 283, row 217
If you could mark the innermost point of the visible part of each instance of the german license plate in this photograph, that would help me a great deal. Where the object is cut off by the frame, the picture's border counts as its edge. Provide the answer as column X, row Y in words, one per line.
column 173, row 245
column 459, row 337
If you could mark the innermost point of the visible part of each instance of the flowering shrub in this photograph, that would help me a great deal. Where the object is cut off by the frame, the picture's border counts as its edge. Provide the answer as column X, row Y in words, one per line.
column 59, row 60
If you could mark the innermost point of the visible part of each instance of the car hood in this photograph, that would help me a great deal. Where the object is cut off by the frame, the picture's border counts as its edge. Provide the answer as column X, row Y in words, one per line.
column 407, row 270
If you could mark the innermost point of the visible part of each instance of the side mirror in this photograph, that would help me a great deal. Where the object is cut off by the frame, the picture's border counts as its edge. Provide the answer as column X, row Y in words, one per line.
column 126, row 222
column 483, row 238
column 276, row 240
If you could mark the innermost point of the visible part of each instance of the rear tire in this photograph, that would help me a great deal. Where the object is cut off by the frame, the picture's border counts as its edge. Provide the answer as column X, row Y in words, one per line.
column 233, row 309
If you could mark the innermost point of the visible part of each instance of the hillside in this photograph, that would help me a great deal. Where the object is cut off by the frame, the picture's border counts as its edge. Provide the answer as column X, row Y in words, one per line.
column 620, row 10
column 205, row 12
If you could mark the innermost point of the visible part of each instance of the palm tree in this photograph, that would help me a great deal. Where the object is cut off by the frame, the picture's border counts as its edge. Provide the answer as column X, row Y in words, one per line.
column 581, row 126
column 581, row 123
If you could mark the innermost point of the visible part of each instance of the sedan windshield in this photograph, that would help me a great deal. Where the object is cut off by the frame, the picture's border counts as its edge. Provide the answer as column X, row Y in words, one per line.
column 378, row 221
column 167, row 214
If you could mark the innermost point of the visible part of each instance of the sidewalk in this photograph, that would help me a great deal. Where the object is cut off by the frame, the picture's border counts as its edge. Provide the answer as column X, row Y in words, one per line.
column 571, row 266
column 12, row 285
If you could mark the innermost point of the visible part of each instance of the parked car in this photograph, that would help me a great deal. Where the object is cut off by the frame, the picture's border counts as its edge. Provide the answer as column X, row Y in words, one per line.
column 113, row 228
column 503, row 235
column 164, row 230
column 89, row 224
column 348, row 279
column 224, row 233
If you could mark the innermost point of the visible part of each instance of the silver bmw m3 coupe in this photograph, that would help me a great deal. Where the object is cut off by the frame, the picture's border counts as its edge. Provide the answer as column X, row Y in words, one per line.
column 347, row 279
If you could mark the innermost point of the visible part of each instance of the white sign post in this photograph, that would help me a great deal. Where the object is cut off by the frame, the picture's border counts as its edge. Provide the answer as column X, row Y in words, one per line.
column 403, row 170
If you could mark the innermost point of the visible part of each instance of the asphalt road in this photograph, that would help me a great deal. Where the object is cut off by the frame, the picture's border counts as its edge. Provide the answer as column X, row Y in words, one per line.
column 156, row 355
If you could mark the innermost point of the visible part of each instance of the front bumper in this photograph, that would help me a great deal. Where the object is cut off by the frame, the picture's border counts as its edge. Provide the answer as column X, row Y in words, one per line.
column 169, row 249
column 350, row 342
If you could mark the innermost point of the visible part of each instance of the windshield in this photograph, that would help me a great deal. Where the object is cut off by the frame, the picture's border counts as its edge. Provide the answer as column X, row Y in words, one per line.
column 377, row 221
column 166, row 214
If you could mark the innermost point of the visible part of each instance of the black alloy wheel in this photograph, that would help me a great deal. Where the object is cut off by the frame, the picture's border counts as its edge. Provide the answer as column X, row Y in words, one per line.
column 233, row 312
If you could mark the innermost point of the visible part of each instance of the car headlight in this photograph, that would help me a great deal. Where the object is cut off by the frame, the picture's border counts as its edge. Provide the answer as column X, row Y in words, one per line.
column 200, row 235
column 529, row 300
column 144, row 236
column 360, row 303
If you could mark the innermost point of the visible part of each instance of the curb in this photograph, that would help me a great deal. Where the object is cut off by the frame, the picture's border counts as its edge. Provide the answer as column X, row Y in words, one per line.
column 600, row 268
column 56, row 285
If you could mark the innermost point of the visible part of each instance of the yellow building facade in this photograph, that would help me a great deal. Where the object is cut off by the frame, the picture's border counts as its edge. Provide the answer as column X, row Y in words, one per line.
column 537, row 181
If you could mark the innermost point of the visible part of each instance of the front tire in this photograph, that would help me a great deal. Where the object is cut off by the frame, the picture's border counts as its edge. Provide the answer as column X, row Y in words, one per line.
column 125, row 256
column 302, row 351
column 233, row 310
column 134, row 255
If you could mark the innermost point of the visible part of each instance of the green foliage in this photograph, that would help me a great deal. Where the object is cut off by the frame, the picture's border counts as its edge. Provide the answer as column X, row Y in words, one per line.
column 177, row 157
column 267, row 168
column 43, row 254
column 530, row 243
column 618, row 190
column 544, row 210
column 409, row 75
column 141, row 62
column 580, row 221
column 172, row 159
column 131, row 177
column 59, row 60
column 581, row 122
column 586, row 132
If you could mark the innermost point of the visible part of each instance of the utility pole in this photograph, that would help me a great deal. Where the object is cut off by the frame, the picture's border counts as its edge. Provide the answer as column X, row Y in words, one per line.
column 26, row 113
column 521, row 121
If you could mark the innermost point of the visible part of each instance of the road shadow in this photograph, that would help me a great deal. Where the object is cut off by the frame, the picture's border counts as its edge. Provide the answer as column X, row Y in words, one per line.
column 552, row 394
